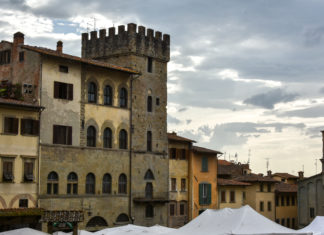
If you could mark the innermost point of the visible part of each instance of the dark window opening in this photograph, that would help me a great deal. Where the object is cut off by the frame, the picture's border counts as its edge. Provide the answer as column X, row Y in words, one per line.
column 261, row 206
column 173, row 153
column 232, row 196
column 204, row 194
column 183, row 155
column 92, row 92
column 149, row 104
column 90, row 183
column 64, row 69
column 182, row 209
column 122, row 184
column 277, row 200
column 91, row 136
column 123, row 139
column 122, row 218
column 223, row 196
column 261, row 187
column 172, row 209
column 149, row 175
column 63, row 91
column 108, row 95
column 107, row 138
column 97, row 221
column 123, row 98
column 282, row 201
column 62, row 134
column 149, row 141
column 149, row 211
column 288, row 201
column 292, row 200
column 269, row 187
column 7, row 171
column 157, row 101
column 283, row 222
column 173, row 184
column 149, row 64
column 106, row 184
column 28, row 171
column 23, row 203
column 5, row 57
column 311, row 212
column 10, row 125
column 149, row 190
column 21, row 56
column 29, row 127
column 288, row 222
column 269, row 206
column 183, row 185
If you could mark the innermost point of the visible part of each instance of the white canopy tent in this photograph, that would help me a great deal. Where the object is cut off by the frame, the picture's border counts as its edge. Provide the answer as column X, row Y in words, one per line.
column 317, row 226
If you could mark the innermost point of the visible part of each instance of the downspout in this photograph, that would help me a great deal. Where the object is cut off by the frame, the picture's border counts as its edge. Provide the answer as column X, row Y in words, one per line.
column 39, row 117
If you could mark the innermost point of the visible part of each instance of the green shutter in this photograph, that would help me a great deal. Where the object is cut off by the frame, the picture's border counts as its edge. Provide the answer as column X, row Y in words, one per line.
column 208, row 194
column 201, row 194
column 204, row 164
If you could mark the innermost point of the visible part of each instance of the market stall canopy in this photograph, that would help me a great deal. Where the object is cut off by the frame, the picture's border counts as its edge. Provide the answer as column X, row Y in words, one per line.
column 317, row 226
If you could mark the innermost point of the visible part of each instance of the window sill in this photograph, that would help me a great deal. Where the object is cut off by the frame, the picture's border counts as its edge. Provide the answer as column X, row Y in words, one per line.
column 8, row 133
column 183, row 191
column 29, row 135
column 173, row 191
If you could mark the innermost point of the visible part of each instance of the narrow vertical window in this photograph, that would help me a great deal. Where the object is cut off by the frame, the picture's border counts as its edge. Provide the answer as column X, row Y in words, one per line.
column 123, row 139
column 72, row 185
column 149, row 141
column 149, row 103
column 107, row 138
column 106, row 184
column 269, row 206
column 52, row 183
column 122, row 184
column 183, row 185
column 108, row 95
column 21, row 56
column 173, row 184
column 261, row 206
column 90, row 183
column 149, row 190
column 204, row 164
column 232, row 197
column 91, row 136
column 149, row 64
column 149, row 211
column 92, row 92
column 123, row 98
column 223, row 196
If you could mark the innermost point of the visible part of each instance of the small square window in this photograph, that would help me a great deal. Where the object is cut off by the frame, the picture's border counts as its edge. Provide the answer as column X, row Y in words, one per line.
column 64, row 69
column 23, row 203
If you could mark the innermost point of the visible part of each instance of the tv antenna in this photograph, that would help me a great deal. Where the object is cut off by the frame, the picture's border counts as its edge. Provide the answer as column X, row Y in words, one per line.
column 249, row 156
column 236, row 157
column 267, row 162
column 94, row 23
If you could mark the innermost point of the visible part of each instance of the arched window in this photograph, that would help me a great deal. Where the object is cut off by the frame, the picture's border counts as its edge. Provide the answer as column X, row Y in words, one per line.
column 91, row 136
column 97, row 221
column 107, row 138
column 106, row 183
column 123, row 98
column 123, row 139
column 122, row 218
column 108, row 95
column 149, row 211
column 52, row 183
column 90, row 183
column 72, row 184
column 92, row 92
column 149, row 141
column 149, row 175
column 149, row 103
column 149, row 190
column 122, row 184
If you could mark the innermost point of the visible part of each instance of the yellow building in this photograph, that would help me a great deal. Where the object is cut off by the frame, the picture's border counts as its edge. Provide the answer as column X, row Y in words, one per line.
column 179, row 152
column 260, row 195
column 286, row 199
column 19, row 127
column 231, row 193
column 203, row 180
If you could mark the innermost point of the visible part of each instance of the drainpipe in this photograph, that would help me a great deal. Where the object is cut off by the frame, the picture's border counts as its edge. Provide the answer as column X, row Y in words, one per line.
column 39, row 137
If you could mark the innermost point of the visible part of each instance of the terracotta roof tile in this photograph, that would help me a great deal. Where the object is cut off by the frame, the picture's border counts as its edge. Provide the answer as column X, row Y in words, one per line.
column 224, row 162
column 229, row 182
column 255, row 178
column 19, row 103
column 175, row 137
column 286, row 188
column 285, row 175
column 204, row 150
column 50, row 52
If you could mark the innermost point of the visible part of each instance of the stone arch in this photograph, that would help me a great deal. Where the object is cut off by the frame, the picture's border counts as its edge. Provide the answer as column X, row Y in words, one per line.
column 95, row 81
column 22, row 196
column 92, row 122
column 109, row 124
column 3, row 203
column 97, row 221
column 122, row 218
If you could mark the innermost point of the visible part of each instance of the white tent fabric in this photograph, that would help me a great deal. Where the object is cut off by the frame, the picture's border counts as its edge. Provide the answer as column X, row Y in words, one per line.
column 244, row 220
column 317, row 226
column 24, row 231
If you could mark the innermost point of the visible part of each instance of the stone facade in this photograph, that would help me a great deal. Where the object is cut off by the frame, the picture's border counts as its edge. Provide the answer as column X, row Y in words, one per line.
column 311, row 196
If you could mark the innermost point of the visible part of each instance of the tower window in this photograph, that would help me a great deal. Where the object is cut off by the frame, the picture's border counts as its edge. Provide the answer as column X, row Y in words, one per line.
column 107, row 138
column 149, row 141
column 108, row 95
column 123, row 98
column 149, row 104
column 157, row 101
column 123, row 139
column 90, row 184
column 91, row 136
column 92, row 93
column 149, row 64
column 21, row 56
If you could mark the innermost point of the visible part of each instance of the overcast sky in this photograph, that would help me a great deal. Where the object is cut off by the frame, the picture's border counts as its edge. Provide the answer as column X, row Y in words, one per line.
column 244, row 75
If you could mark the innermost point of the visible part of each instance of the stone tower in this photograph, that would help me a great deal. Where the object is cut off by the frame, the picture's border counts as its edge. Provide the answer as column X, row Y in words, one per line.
column 140, row 49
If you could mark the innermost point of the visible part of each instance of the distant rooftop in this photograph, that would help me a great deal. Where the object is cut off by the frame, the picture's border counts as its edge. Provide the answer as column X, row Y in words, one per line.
column 175, row 137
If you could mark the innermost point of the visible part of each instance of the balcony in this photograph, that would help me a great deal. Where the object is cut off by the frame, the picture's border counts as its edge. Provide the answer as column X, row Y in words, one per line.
column 155, row 197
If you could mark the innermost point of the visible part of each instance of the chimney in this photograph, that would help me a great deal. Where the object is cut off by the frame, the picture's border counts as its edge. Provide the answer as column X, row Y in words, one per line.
column 269, row 173
column 59, row 47
column 18, row 38
column 322, row 159
column 301, row 175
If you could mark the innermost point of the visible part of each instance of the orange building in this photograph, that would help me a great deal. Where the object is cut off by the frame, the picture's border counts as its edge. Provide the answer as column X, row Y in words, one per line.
column 203, row 180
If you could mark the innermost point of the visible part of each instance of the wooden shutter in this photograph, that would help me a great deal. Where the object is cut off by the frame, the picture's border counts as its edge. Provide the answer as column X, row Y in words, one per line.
column 69, row 135
column 56, row 89
column 15, row 125
column 23, row 126
column 201, row 201
column 208, row 194
column 70, row 91
column 55, row 134
column 35, row 127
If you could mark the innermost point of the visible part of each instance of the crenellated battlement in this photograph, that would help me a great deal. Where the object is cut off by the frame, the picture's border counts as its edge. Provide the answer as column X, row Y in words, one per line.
column 136, row 40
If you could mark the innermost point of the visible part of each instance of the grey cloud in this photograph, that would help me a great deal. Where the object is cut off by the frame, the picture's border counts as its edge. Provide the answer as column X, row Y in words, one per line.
column 269, row 99
column 182, row 109
column 188, row 121
column 173, row 120
column 321, row 90
column 312, row 112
